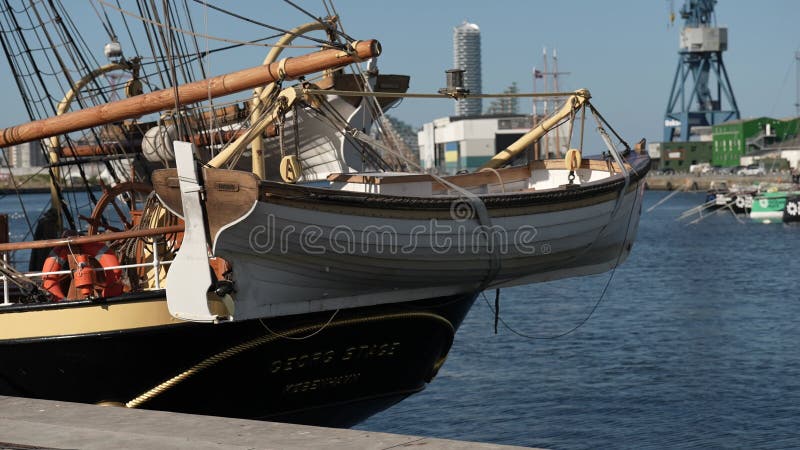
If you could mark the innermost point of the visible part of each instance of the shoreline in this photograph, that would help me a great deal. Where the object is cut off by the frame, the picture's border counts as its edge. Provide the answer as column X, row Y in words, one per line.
column 690, row 182
column 44, row 190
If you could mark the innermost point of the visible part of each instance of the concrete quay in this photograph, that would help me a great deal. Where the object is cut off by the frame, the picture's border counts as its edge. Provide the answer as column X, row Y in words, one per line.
column 43, row 424
column 692, row 182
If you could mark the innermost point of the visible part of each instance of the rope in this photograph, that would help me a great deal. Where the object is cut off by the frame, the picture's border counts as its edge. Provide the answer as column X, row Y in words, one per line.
column 302, row 338
column 253, row 343
column 324, row 43
column 496, row 314
column 499, row 177
column 201, row 35
column 423, row 95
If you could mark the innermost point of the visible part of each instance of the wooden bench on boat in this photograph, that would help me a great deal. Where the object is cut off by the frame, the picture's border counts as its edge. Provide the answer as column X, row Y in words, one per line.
column 535, row 175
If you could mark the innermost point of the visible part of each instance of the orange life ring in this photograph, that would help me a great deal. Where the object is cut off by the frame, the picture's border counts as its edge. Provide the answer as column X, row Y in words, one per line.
column 84, row 280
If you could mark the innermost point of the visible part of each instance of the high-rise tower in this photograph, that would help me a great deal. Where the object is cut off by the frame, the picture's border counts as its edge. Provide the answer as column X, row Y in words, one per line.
column 467, row 56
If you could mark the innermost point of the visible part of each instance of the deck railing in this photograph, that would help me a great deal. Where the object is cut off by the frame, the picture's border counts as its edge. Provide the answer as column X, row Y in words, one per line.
column 156, row 263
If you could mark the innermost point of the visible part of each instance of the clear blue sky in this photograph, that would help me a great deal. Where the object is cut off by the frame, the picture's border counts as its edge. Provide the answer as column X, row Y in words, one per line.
column 621, row 50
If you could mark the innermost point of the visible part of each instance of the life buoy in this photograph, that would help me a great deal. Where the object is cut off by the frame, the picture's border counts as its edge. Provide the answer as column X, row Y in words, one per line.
column 84, row 278
column 793, row 208
column 739, row 202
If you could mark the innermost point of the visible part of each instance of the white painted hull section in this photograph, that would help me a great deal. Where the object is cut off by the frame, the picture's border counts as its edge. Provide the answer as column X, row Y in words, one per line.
column 767, row 215
column 290, row 260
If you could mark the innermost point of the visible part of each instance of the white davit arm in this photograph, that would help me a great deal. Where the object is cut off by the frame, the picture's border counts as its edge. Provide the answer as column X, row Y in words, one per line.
column 575, row 101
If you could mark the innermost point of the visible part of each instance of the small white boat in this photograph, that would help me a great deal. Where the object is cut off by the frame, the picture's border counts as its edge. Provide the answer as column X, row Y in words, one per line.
column 383, row 237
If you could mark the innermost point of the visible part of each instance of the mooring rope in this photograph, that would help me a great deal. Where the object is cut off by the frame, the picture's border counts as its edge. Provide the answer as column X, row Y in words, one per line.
column 253, row 343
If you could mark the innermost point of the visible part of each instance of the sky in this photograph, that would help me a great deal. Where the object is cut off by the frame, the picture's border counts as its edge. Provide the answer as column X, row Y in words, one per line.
column 623, row 51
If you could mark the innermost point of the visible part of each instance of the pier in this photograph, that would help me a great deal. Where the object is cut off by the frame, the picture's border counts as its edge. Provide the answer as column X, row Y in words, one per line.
column 44, row 424
column 692, row 182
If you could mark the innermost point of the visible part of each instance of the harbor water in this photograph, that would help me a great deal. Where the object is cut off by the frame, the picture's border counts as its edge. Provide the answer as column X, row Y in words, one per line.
column 694, row 344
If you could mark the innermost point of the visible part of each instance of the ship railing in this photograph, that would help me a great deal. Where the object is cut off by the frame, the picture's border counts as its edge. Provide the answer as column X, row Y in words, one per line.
column 156, row 264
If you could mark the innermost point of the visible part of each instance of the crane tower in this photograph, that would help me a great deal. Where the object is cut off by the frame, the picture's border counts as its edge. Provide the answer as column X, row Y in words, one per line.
column 701, row 91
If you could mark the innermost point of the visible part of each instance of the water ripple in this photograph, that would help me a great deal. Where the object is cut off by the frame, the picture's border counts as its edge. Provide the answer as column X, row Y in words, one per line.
column 694, row 346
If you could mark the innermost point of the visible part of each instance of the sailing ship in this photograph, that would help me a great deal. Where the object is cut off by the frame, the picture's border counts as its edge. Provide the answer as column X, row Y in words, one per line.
column 268, row 258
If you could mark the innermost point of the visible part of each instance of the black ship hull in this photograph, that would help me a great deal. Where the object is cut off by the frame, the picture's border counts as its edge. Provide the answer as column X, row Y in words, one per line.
column 322, row 369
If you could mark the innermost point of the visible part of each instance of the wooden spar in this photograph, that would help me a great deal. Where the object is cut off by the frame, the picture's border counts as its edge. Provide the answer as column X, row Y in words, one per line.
column 578, row 98
column 77, row 240
column 189, row 93
column 135, row 145
column 104, row 149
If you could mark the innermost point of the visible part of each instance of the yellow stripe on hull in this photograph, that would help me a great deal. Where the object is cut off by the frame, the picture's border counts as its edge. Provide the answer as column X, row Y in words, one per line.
column 67, row 320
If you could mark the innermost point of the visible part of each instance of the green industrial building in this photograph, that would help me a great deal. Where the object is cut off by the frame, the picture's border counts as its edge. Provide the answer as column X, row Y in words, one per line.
column 679, row 156
column 736, row 138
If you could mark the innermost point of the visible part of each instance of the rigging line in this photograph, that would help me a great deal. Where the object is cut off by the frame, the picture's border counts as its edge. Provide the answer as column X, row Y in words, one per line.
column 331, row 122
column 201, row 124
column 215, row 38
column 434, row 95
column 180, row 47
column 15, row 74
column 69, row 42
column 132, row 41
column 325, row 5
column 79, row 61
column 16, row 189
column 194, row 38
column 206, row 60
column 779, row 95
column 339, row 21
column 265, row 25
column 149, row 30
column 110, row 34
column 167, row 38
column 30, row 60
column 288, row 336
column 110, row 24
column 342, row 128
column 313, row 17
column 193, row 56
column 184, row 41
column 29, row 178
column 600, row 116
column 342, row 32
column 373, row 106
column 596, row 304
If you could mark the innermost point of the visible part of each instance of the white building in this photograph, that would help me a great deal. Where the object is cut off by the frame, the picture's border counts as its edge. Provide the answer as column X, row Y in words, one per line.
column 450, row 144
column 788, row 149
column 24, row 155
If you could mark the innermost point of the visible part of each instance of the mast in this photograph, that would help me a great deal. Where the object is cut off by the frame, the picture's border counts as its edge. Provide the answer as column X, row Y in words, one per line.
column 797, row 80
column 533, row 116
column 555, row 88
column 544, row 141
